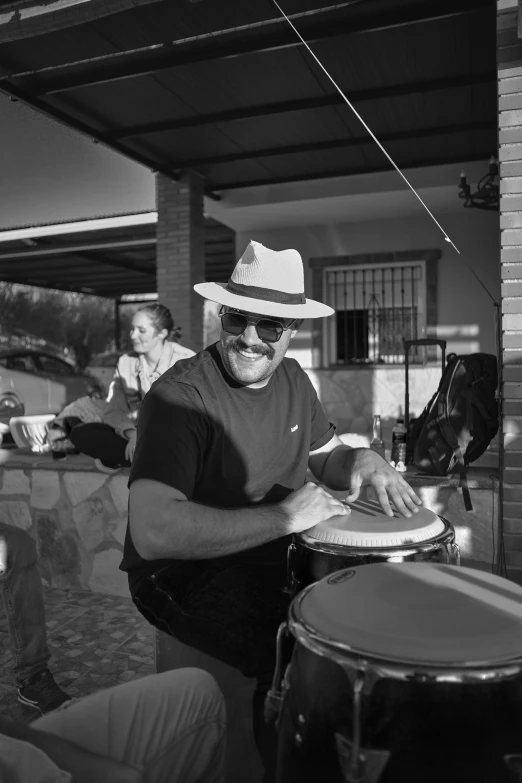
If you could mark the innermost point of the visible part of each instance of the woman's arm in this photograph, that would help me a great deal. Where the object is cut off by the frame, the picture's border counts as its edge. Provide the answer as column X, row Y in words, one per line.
column 118, row 412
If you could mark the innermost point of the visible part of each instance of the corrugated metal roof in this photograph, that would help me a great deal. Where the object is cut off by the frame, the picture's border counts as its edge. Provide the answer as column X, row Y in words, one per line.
column 228, row 90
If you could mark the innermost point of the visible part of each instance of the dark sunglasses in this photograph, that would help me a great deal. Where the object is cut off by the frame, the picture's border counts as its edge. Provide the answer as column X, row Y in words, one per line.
column 268, row 330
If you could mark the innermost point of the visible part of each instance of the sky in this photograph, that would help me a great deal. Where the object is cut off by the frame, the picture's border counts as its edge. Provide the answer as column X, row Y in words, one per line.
column 50, row 173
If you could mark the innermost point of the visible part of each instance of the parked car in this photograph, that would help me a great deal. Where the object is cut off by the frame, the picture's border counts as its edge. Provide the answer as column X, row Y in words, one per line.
column 36, row 382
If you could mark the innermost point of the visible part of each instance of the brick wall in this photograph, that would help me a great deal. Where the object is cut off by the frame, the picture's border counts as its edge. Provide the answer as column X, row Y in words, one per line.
column 509, row 55
column 180, row 252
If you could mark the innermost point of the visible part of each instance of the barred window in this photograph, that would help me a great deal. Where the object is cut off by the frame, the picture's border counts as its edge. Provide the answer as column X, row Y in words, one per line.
column 376, row 308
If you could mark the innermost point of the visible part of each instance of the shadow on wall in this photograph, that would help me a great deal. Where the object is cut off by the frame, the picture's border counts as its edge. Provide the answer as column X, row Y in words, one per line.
column 351, row 397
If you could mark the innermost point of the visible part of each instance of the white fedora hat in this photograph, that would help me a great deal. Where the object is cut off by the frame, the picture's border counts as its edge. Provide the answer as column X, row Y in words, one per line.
column 266, row 282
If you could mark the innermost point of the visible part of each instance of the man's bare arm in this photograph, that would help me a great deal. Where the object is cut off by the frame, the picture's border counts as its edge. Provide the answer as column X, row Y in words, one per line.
column 165, row 525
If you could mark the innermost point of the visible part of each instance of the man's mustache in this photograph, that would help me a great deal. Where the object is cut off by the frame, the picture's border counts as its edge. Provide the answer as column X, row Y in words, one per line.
column 262, row 350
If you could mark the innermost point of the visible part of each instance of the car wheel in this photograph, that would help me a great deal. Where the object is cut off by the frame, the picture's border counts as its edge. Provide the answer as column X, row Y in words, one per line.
column 10, row 405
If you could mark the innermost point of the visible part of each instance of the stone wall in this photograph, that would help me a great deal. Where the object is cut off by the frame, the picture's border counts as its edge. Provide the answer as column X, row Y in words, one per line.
column 77, row 516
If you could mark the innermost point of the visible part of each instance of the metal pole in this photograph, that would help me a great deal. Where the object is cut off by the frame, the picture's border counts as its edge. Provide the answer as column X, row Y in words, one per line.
column 117, row 335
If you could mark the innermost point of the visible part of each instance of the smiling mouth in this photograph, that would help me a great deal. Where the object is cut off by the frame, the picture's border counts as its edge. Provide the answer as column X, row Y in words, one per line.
column 250, row 356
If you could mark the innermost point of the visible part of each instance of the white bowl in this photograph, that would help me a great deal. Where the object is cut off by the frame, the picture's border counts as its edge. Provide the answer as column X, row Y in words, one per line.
column 30, row 432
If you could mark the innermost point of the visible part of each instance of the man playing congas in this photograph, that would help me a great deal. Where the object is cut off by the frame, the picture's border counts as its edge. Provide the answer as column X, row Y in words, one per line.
column 217, row 484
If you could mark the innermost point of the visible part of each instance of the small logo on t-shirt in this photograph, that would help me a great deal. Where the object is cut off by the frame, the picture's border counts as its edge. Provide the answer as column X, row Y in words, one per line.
column 293, row 429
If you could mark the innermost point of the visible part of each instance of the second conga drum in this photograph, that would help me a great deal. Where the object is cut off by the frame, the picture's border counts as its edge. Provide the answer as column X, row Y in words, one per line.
column 368, row 535
column 403, row 673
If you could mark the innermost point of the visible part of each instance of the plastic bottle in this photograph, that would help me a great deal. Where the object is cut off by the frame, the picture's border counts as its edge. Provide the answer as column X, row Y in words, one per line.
column 399, row 439
column 377, row 443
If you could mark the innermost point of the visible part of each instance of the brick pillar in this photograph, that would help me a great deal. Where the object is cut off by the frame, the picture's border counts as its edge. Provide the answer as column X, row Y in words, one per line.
column 509, row 57
column 180, row 252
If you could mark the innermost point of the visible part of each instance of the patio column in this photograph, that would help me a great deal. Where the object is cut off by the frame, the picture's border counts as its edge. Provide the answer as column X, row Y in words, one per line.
column 180, row 252
column 509, row 58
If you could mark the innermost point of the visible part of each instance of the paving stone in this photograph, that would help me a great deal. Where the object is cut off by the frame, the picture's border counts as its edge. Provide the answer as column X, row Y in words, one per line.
column 86, row 657
column 66, row 632
column 75, row 638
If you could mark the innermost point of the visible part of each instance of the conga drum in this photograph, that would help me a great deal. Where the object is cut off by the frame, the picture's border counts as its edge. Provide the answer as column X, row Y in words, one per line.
column 368, row 535
column 402, row 674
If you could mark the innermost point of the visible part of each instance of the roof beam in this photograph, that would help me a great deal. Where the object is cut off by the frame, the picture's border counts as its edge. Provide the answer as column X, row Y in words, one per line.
column 77, row 247
column 313, row 175
column 226, row 44
column 319, row 146
column 128, row 266
column 305, row 104
column 134, row 219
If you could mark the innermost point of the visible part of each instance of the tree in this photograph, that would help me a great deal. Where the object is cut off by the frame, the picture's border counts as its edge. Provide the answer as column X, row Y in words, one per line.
column 77, row 325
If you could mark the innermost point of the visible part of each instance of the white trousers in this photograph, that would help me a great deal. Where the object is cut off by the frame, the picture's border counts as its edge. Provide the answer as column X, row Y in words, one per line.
column 170, row 725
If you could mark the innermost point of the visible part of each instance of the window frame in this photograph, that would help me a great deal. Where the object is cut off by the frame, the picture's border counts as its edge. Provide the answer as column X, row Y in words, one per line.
column 329, row 347
column 316, row 265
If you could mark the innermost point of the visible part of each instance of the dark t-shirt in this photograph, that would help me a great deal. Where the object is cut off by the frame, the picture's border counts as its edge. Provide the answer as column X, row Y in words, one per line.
column 226, row 445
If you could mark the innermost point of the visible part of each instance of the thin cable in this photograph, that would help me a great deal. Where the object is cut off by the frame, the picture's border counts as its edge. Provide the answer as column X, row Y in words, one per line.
column 482, row 284
column 374, row 137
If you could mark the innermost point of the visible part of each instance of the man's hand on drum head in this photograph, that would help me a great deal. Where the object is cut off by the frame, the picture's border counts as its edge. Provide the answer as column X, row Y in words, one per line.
column 310, row 505
column 370, row 469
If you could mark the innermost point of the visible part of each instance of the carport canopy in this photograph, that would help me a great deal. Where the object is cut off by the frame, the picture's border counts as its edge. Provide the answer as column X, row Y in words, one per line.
column 110, row 257
column 227, row 89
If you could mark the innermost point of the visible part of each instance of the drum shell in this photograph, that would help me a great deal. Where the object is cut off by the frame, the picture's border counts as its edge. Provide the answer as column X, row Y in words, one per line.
column 435, row 731
column 310, row 560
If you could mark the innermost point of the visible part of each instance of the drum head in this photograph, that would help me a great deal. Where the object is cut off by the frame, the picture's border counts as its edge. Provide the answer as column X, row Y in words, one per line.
column 368, row 526
column 422, row 613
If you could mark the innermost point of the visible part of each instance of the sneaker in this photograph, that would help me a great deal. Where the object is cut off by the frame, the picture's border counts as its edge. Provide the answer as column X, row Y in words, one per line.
column 105, row 468
column 41, row 692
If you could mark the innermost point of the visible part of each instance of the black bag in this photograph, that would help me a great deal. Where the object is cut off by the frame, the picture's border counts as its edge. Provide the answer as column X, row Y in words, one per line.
column 460, row 420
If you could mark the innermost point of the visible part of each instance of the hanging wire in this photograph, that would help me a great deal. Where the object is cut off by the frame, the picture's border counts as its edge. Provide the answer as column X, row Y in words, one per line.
column 367, row 128
column 501, row 557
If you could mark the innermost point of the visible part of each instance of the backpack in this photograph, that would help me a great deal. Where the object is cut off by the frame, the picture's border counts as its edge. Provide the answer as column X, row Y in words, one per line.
column 460, row 420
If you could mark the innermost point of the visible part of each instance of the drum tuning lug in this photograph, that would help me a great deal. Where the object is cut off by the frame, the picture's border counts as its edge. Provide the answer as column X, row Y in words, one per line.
column 298, row 740
column 272, row 709
column 514, row 764
column 301, row 719
column 366, row 768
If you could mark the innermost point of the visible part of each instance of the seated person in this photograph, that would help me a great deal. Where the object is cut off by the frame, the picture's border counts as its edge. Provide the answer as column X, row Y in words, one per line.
column 165, row 728
column 112, row 440
column 22, row 596
column 218, row 482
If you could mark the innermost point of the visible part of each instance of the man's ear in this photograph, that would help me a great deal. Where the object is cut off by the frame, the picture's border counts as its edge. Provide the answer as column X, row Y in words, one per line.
column 297, row 325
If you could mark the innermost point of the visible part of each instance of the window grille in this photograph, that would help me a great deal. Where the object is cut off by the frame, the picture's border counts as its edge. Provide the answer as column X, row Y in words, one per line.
column 376, row 308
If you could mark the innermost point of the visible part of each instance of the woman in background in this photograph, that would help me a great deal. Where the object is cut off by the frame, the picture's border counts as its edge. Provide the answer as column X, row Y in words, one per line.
column 112, row 440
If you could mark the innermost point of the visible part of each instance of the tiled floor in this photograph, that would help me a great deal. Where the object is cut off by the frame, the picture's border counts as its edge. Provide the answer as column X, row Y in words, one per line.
column 96, row 641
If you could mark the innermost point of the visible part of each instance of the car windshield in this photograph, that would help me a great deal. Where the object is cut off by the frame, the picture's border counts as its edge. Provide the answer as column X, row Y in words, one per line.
column 50, row 364
column 20, row 362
